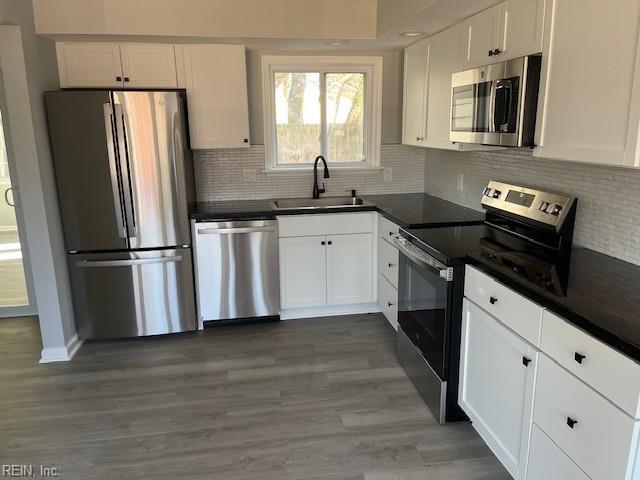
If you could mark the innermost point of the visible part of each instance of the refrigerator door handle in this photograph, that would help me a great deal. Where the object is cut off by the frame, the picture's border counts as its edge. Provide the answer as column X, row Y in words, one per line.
column 127, row 186
column 126, row 263
column 113, row 170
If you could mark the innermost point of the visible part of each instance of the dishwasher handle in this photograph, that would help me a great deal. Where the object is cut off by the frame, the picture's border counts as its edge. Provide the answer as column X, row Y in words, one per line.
column 228, row 231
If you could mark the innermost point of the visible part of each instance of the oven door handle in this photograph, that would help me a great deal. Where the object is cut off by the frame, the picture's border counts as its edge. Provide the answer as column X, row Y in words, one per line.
column 428, row 262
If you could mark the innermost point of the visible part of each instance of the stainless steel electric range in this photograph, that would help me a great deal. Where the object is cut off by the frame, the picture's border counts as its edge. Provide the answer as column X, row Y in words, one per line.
column 526, row 231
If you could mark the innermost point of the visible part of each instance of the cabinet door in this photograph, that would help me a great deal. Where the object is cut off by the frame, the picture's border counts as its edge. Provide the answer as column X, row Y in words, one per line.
column 146, row 65
column 445, row 58
column 303, row 272
column 215, row 77
column 482, row 32
column 416, row 64
column 521, row 24
column 388, row 300
column 89, row 65
column 589, row 106
column 497, row 375
column 349, row 269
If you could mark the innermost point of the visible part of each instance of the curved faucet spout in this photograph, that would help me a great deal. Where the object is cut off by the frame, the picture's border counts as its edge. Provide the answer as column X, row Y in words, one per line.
column 317, row 190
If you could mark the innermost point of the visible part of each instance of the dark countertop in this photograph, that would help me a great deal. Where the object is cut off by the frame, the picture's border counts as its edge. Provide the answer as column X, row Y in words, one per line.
column 599, row 293
column 409, row 210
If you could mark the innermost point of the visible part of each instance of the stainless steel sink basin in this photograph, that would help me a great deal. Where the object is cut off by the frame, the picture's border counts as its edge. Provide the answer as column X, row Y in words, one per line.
column 310, row 203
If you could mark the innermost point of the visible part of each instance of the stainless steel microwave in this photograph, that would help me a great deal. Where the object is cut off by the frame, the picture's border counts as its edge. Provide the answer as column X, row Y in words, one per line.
column 496, row 104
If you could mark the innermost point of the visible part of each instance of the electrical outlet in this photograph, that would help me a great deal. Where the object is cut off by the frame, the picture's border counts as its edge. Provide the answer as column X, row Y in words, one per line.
column 461, row 182
column 249, row 174
column 388, row 174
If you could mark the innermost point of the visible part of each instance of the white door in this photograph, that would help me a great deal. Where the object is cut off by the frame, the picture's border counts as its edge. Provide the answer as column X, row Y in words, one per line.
column 89, row 65
column 349, row 269
column 586, row 112
column 416, row 64
column 303, row 272
column 15, row 285
column 147, row 65
column 215, row 77
column 445, row 58
column 521, row 28
column 481, row 33
column 497, row 375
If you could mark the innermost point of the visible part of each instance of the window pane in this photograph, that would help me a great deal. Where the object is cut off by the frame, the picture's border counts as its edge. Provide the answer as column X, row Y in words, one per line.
column 298, row 117
column 345, row 117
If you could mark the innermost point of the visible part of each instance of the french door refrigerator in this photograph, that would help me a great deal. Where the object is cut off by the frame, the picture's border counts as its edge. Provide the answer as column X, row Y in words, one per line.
column 125, row 182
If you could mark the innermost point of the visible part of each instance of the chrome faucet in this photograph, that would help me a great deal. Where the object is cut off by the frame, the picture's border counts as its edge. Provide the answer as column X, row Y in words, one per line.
column 316, row 190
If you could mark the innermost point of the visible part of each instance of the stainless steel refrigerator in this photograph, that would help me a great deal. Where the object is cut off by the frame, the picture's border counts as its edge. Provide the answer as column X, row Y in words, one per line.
column 125, row 182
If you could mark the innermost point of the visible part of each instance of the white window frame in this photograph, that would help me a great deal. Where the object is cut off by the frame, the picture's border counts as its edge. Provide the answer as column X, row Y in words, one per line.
column 371, row 66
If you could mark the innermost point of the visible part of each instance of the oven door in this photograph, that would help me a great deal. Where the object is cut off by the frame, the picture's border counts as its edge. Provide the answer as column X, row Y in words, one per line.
column 423, row 304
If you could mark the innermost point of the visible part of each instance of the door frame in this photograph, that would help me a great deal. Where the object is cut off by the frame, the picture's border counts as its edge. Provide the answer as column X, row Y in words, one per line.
column 30, row 308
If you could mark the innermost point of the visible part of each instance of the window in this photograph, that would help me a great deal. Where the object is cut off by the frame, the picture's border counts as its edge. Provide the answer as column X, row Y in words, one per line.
column 319, row 105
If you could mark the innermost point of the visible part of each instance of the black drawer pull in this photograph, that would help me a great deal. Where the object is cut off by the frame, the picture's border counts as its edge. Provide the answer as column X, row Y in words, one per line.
column 390, row 304
column 493, row 300
column 323, row 243
column 329, row 242
column 118, row 79
column 391, row 265
column 579, row 357
column 571, row 422
column 526, row 361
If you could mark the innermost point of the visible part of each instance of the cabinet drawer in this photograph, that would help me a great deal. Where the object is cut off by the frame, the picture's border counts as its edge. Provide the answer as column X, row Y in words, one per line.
column 614, row 375
column 324, row 224
column 387, row 229
column 548, row 462
column 517, row 312
column 603, row 440
column 388, row 257
column 388, row 300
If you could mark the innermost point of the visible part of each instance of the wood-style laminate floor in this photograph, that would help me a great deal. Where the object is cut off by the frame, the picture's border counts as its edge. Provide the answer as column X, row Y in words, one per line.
column 298, row 400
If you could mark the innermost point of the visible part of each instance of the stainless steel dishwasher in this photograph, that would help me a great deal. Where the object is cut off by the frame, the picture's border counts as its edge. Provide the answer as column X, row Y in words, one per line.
column 237, row 269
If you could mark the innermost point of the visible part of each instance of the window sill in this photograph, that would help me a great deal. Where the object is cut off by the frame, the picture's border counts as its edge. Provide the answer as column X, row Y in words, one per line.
column 307, row 170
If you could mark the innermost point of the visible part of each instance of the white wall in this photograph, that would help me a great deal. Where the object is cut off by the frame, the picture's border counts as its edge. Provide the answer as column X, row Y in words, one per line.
column 209, row 18
column 29, row 68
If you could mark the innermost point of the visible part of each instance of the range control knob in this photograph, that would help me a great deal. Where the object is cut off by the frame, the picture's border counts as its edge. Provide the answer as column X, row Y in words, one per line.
column 496, row 194
column 556, row 210
column 543, row 206
column 550, row 207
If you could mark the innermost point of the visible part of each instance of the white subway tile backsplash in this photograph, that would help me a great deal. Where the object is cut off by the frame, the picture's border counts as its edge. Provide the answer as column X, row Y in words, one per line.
column 608, row 218
column 220, row 175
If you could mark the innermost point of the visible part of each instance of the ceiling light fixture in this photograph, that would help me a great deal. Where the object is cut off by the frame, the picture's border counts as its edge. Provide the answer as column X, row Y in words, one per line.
column 412, row 33
column 337, row 43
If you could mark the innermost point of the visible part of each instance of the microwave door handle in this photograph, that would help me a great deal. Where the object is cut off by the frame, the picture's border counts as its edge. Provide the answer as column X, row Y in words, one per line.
column 505, row 90
column 492, row 108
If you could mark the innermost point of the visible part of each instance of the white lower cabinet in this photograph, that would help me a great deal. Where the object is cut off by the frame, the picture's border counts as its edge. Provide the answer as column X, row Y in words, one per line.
column 497, row 377
column 326, row 261
column 303, row 273
column 548, row 462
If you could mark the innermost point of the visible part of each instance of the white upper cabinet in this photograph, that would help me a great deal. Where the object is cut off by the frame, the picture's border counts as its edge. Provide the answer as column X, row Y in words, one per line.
column 521, row 28
column 416, row 63
column 89, row 65
column 589, row 102
column 482, row 37
column 445, row 58
column 497, row 377
column 146, row 65
column 135, row 65
column 215, row 77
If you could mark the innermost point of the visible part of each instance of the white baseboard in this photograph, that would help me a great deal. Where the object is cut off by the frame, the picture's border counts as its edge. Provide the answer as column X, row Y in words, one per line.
column 61, row 354
column 328, row 311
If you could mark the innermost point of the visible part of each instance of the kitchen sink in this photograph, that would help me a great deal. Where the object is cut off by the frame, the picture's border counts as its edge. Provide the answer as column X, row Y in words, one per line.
column 311, row 203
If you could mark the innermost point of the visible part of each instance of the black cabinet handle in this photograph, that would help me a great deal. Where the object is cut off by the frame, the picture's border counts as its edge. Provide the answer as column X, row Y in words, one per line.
column 491, row 53
column 126, row 79
column 526, row 361
column 579, row 357
column 323, row 242
column 329, row 242
column 390, row 304
column 391, row 234
column 391, row 265
column 118, row 79
column 571, row 422
column 493, row 300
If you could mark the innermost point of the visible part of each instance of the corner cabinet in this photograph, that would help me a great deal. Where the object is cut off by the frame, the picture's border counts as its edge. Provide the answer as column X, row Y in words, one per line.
column 497, row 378
column 326, row 264
column 215, row 77
column 589, row 106
column 414, row 107
column 113, row 65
